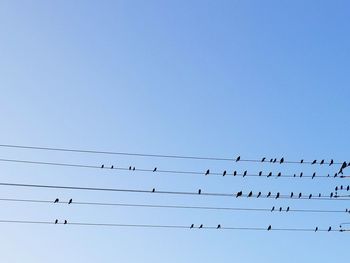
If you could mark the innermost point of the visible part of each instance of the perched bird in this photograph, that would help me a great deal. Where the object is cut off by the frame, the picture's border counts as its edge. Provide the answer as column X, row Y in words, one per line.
column 199, row 191
column 65, row 222
column 272, row 209
column 70, row 201
column 300, row 194
column 329, row 229
column 331, row 195
column 280, row 209
column 234, row 173
column 263, row 159
column 129, row 167
column 269, row 228
column 301, row 174
column 245, row 173
column 271, row 160
column 348, row 188
column 207, row 172
column 341, row 187
column 250, row 194
column 322, row 162
column 201, row 226
column 260, row 173
column 269, row 194
column 314, row 161
column 279, row 174
column 219, row 226
column 153, row 190
column 224, row 173
column 192, row 226
column 277, row 195
column 316, row 229
column 310, row 196
column 302, row 160
column 102, row 166
column 238, row 158
column 282, row 160
column 270, row 174
column 313, row 175
column 294, row 175
column 336, row 188
column 56, row 221
column 274, row 160
column 331, row 162
column 133, row 168
column 319, row 195
column 155, row 169
column 259, row 194
column 56, row 200
column 239, row 194
column 287, row 210
column 291, row 194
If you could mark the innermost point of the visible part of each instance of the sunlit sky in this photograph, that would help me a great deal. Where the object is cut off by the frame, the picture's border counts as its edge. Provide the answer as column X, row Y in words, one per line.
column 203, row 78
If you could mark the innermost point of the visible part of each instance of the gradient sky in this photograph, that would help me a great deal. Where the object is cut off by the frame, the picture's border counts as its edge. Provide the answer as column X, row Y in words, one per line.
column 211, row 78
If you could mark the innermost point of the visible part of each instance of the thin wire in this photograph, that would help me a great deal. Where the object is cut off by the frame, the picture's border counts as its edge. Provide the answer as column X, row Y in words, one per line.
column 170, row 226
column 272, row 196
column 165, row 171
column 146, row 155
column 172, row 206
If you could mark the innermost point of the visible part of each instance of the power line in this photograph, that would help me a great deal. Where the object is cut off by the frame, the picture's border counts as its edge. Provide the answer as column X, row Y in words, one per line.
column 202, row 227
column 154, row 170
column 199, row 193
column 164, row 155
column 175, row 206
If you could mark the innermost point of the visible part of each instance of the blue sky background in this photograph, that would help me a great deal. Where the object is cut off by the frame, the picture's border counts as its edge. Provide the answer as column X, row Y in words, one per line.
column 211, row 78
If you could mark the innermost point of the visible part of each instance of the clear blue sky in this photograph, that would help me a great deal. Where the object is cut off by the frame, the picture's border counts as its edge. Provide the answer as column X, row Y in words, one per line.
column 217, row 78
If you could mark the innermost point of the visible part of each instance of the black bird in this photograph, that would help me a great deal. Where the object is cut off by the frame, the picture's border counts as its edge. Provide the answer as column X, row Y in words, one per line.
column 280, row 209
column 239, row 194
column 263, row 159
column 272, row 209
column 335, row 175
column 56, row 221
column 224, row 173
column 294, row 175
column 207, row 172
column 301, row 174
column 260, row 173
column 201, row 226
column 313, row 175
column 282, row 160
column 314, row 161
column 112, row 167
column 133, row 168
column 70, row 201
column 277, row 195
column 336, row 188
column 270, row 174
column 199, row 191
column 153, row 190
column 316, row 229
column 245, row 173
column 155, row 169
column 300, row 194
column 102, row 166
column 279, row 174
column 65, row 222
column 329, row 229
column 219, row 226
column 331, row 195
column 269, row 194
column 331, row 162
column 192, row 226
column 56, row 200
column 250, row 194
column 319, row 195
column 302, row 160
column 269, row 228
column 234, row 173
column 287, row 210
column 129, row 167
column 341, row 187
column 274, row 160
column 322, row 162
column 238, row 158
column 271, row 160
column 348, row 188
column 259, row 194
column 291, row 194
column 310, row 196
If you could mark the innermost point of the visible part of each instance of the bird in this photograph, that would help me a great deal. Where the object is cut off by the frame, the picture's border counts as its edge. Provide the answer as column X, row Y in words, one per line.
column 316, row 229
column 112, row 167
column 70, row 201
column 238, row 158
column 201, row 226
column 329, row 229
column 319, row 195
column 336, row 188
column 102, row 166
column 239, row 194
column 341, row 187
column 300, row 194
column 279, row 174
column 314, row 161
column 301, row 174
column 260, row 173
column 310, row 196
column 348, row 188
column 302, row 160
column 192, row 226
column 234, row 173
column 153, row 190
column 270, row 174
column 291, row 194
column 56, row 221
column 269, row 228
column 65, row 222
column 271, row 160
column 272, row 209
column 263, row 159
column 280, row 209
column 250, row 194
column 259, row 194
column 331, row 162
column 313, row 175
column 245, row 173
column 277, row 195
column 287, row 210
column 199, row 191
column 56, row 200
column 129, row 167
column 269, row 194
column 224, row 173
column 331, row 195
column 207, row 172
column 322, row 162
column 294, row 175
column 282, row 160
column 219, row 226
column 274, row 160
column 155, row 169
column 133, row 168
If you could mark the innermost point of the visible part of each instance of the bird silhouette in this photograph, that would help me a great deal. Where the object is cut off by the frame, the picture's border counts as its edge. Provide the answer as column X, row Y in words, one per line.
column 331, row 162
column 294, row 175
column 270, row 174
column 341, row 187
column 207, row 172
column 245, row 173
column 65, row 222
column 56, row 221
column 331, row 195
column 274, row 160
column 250, row 194
column 319, row 195
column 224, row 173
column 272, row 209
column 130, row 168
column 269, row 194
column 301, row 174
column 263, row 159
column 239, row 194
column 70, row 201
column 201, row 226
column 310, row 196
column 287, row 210
column 280, row 209
column 199, row 191
column 316, row 229
column 322, row 162
column 112, row 167
column 314, row 161
column 329, row 229
column 348, row 188
column 300, row 194
column 219, row 226
column 313, row 175
column 336, row 188
column 269, row 228
column 282, row 160
column 102, row 166
column 291, row 194
column 192, row 226
column 133, row 168
column 153, row 190
column 277, row 195
column 234, row 173
column 301, row 161
column 56, row 200
column 155, row 169
column 238, row 158
column 259, row 194
column 260, row 173
column 279, row 174
column 271, row 160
